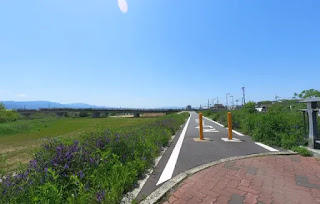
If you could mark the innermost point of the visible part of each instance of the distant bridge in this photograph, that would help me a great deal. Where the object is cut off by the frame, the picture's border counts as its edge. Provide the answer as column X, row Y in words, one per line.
column 96, row 112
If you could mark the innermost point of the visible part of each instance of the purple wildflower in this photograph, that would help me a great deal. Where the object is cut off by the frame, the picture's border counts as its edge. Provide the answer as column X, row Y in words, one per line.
column 66, row 166
column 101, row 195
column 81, row 174
column 33, row 163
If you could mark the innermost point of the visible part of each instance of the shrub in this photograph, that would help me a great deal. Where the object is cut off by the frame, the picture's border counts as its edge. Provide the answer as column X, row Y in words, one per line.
column 302, row 151
column 279, row 126
column 249, row 107
column 83, row 114
column 8, row 115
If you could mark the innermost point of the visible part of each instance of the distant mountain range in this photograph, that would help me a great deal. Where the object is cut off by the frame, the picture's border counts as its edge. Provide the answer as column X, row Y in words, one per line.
column 44, row 104
column 48, row 104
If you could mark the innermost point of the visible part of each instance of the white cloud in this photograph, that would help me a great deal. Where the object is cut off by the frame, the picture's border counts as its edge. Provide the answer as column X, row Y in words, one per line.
column 21, row 95
column 123, row 6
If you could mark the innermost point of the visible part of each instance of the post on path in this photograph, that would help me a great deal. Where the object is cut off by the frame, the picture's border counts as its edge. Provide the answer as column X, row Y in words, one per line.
column 200, row 126
column 230, row 125
column 314, row 136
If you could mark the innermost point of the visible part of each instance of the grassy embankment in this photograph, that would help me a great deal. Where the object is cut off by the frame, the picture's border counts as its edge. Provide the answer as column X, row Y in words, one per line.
column 279, row 126
column 20, row 139
column 96, row 167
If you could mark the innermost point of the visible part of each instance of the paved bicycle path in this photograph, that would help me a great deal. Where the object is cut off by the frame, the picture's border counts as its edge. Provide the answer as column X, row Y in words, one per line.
column 185, row 152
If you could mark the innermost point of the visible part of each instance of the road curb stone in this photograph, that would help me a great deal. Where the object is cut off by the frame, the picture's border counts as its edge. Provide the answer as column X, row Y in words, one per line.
column 155, row 196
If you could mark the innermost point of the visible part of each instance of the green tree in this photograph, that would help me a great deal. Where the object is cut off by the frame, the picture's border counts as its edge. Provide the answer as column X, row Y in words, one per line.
column 308, row 93
column 8, row 115
column 250, row 107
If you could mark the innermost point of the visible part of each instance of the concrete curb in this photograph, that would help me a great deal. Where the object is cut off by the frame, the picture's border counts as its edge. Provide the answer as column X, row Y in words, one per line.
column 160, row 192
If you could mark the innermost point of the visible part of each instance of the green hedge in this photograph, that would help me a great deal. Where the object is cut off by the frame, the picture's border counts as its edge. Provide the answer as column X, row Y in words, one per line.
column 279, row 126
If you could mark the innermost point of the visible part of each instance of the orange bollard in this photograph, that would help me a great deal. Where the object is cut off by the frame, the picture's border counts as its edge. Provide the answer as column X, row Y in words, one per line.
column 230, row 125
column 201, row 127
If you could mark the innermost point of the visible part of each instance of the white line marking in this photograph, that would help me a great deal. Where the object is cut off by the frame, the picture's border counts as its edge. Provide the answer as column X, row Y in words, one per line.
column 197, row 121
column 168, row 170
column 205, row 126
column 210, row 130
column 214, row 122
column 267, row 147
column 238, row 133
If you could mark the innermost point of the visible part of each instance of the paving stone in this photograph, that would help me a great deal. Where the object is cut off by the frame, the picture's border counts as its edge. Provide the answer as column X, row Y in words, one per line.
column 303, row 181
column 252, row 170
column 236, row 199
column 230, row 165
column 264, row 180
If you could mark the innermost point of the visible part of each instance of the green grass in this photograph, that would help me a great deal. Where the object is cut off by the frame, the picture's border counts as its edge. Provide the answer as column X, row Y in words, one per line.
column 302, row 151
column 19, row 140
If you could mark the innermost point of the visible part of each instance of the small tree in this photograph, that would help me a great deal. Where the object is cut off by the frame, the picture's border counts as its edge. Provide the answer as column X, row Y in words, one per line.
column 250, row 107
column 308, row 93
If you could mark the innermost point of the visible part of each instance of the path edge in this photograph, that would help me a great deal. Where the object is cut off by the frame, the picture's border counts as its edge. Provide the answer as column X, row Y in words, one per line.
column 132, row 195
column 156, row 195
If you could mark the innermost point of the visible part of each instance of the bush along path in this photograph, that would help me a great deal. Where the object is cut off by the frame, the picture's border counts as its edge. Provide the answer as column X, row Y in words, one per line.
column 280, row 126
column 99, row 167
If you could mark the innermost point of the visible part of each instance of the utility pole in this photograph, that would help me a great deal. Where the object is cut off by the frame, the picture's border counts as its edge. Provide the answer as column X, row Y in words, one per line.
column 232, row 101
column 212, row 101
column 243, row 95
column 208, row 104
column 227, row 99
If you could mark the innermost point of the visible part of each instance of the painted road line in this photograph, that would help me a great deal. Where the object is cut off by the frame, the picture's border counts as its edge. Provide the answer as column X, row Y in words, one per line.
column 168, row 170
column 238, row 133
column 197, row 122
column 267, row 147
column 205, row 126
column 210, row 130
column 214, row 122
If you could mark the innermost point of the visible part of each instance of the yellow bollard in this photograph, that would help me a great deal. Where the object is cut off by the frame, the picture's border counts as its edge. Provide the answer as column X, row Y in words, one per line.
column 230, row 125
column 201, row 127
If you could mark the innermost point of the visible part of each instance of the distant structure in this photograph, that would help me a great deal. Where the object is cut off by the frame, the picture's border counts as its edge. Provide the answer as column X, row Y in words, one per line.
column 243, row 95
column 218, row 107
column 96, row 112
column 188, row 108
column 262, row 107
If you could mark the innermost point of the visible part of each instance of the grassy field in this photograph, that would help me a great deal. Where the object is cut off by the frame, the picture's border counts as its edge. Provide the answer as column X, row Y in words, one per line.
column 19, row 140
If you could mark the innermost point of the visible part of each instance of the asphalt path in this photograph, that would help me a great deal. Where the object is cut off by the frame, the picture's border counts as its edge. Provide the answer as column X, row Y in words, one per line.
column 187, row 152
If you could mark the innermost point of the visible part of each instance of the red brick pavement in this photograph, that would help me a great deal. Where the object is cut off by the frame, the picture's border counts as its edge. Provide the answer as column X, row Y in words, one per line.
column 264, row 180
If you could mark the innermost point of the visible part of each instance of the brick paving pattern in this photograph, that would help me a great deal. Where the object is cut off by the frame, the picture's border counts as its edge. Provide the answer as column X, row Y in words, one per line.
column 263, row 180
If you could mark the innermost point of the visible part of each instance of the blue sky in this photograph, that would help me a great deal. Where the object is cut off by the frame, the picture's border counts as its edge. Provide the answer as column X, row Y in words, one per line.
column 159, row 53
